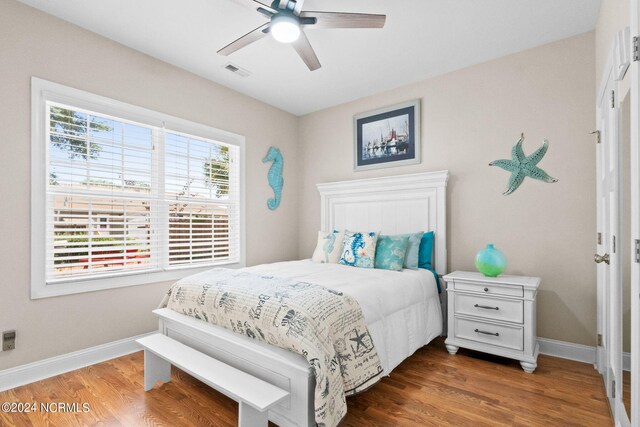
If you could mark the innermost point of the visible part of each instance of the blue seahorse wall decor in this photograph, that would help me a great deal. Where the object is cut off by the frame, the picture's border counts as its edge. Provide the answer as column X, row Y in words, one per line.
column 275, row 176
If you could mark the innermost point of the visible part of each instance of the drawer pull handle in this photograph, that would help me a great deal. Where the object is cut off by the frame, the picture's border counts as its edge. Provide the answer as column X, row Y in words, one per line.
column 486, row 289
column 486, row 307
column 487, row 333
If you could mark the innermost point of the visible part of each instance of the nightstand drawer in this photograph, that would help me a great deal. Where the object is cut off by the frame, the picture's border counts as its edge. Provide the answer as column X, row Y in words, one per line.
column 489, row 289
column 489, row 308
column 498, row 335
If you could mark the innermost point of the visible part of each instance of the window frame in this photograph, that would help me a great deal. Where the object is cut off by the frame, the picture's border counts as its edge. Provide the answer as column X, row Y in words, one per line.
column 43, row 91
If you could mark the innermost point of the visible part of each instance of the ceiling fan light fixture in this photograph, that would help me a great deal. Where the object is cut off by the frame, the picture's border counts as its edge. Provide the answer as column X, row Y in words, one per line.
column 285, row 28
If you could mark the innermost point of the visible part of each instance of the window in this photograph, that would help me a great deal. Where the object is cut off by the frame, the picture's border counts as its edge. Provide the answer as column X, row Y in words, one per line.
column 122, row 195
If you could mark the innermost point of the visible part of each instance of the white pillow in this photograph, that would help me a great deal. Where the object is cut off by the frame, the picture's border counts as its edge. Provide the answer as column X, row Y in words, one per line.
column 329, row 247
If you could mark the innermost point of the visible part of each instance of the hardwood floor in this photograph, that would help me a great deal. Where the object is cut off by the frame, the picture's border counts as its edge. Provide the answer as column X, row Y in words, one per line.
column 431, row 388
column 626, row 392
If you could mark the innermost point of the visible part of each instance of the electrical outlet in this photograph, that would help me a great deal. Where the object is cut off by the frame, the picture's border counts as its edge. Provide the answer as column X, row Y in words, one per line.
column 8, row 340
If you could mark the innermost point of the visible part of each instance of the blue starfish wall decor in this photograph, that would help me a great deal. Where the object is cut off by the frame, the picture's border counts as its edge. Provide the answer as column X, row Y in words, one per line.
column 522, row 166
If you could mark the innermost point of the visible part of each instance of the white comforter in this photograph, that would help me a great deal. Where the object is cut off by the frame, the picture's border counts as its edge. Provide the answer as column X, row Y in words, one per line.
column 401, row 308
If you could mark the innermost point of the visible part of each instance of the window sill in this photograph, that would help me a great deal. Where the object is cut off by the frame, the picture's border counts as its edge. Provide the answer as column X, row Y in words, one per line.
column 43, row 290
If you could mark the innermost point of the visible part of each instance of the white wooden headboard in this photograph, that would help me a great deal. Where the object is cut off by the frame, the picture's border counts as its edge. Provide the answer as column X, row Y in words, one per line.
column 392, row 205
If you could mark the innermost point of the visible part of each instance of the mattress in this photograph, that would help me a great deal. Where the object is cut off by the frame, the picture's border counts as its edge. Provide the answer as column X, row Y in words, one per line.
column 401, row 308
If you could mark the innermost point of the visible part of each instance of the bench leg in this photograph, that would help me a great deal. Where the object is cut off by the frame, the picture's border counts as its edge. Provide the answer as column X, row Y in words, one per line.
column 155, row 369
column 251, row 417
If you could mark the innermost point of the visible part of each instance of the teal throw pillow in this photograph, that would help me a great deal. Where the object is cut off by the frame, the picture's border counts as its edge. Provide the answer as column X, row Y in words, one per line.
column 391, row 252
column 426, row 251
column 411, row 258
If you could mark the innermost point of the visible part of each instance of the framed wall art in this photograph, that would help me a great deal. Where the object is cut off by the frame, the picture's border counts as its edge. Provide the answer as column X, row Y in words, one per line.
column 387, row 137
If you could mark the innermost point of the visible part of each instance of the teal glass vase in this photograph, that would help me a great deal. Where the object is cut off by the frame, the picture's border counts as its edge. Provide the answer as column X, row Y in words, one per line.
column 490, row 261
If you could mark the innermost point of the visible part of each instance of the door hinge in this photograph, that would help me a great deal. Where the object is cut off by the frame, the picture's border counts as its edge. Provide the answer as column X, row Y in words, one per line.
column 635, row 51
column 599, row 238
column 613, row 99
column 599, row 340
column 636, row 246
column 613, row 241
column 613, row 389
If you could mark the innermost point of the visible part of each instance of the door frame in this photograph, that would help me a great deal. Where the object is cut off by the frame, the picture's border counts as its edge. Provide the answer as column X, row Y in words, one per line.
column 634, row 70
column 609, row 354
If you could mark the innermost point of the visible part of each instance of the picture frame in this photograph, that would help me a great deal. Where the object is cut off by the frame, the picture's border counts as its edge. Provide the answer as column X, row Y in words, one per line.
column 387, row 137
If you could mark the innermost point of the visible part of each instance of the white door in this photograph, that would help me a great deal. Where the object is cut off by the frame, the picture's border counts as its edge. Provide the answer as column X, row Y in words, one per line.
column 608, row 244
column 602, row 256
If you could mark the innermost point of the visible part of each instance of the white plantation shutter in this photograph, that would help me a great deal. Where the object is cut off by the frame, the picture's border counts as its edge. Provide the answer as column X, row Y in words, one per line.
column 126, row 198
column 202, row 196
column 95, row 235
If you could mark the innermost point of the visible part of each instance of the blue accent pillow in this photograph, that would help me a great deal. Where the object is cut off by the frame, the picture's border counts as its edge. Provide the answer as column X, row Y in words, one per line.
column 426, row 251
column 391, row 252
column 359, row 249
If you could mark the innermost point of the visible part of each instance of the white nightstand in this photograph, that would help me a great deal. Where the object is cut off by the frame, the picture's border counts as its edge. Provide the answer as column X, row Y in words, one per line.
column 494, row 315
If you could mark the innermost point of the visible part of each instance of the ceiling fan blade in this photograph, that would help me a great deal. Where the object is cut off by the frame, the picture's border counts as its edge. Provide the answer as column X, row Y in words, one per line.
column 283, row 4
column 245, row 40
column 255, row 4
column 264, row 12
column 306, row 52
column 264, row 5
column 345, row 20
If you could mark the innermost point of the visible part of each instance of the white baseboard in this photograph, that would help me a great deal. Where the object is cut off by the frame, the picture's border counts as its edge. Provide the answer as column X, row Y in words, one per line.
column 36, row 371
column 567, row 350
column 578, row 352
column 626, row 362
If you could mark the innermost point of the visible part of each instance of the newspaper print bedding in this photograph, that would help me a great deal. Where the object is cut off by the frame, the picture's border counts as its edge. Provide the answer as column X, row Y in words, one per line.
column 323, row 325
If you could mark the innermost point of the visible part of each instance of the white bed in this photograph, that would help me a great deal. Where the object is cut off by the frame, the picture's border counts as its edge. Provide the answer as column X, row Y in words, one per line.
column 402, row 309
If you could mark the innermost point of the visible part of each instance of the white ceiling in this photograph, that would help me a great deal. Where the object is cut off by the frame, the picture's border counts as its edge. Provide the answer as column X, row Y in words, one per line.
column 421, row 39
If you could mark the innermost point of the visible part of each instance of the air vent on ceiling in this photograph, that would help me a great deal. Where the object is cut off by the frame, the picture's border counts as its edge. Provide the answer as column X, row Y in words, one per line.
column 237, row 70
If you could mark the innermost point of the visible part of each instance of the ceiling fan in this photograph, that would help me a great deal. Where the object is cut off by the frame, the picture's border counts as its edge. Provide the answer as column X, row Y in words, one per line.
column 287, row 22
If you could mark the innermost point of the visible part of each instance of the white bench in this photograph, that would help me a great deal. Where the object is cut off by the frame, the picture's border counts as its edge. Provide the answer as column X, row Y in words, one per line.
column 253, row 395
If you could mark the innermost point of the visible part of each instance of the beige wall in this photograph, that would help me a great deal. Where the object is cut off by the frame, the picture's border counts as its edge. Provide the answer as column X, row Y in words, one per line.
column 35, row 44
column 471, row 117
